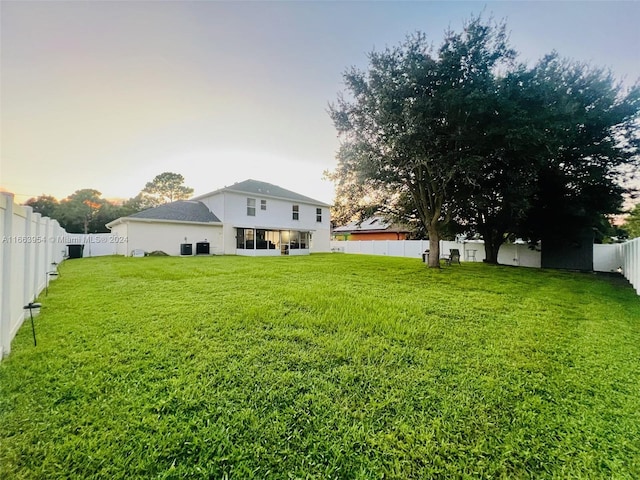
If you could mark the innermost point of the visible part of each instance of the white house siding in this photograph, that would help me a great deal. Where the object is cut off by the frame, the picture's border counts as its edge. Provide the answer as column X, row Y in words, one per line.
column 167, row 236
column 216, row 204
column 229, row 239
column 231, row 209
column 121, row 231
column 321, row 239
column 260, row 253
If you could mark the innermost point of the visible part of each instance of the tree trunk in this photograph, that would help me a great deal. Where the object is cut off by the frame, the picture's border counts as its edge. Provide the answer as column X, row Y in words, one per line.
column 492, row 242
column 434, row 246
column 491, row 252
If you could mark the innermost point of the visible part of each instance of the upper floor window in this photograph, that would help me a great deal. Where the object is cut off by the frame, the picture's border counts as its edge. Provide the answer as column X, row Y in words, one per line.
column 263, row 204
column 296, row 212
column 318, row 215
column 251, row 207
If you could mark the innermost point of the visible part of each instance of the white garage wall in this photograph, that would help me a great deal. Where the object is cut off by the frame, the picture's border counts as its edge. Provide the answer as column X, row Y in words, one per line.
column 168, row 237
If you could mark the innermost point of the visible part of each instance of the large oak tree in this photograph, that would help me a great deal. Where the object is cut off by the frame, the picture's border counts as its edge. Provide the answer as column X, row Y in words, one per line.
column 465, row 134
column 407, row 122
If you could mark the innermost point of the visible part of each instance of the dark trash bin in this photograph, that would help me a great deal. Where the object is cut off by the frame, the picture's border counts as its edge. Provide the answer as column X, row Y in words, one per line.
column 425, row 256
column 75, row 251
column 202, row 248
column 186, row 249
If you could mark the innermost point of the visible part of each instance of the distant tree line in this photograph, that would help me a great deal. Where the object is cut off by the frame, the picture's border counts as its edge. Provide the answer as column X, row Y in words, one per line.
column 631, row 226
column 463, row 138
column 84, row 211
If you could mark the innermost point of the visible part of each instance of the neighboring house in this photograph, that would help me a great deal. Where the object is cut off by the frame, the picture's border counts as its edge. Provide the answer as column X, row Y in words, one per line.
column 248, row 218
column 374, row 228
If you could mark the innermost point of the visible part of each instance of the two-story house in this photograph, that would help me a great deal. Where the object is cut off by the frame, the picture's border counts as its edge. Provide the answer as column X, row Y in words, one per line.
column 259, row 218
column 248, row 218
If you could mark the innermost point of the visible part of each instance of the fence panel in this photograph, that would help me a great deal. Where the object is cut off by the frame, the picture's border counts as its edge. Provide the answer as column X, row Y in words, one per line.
column 606, row 258
column 470, row 251
column 29, row 251
column 630, row 253
column 94, row 244
column 380, row 247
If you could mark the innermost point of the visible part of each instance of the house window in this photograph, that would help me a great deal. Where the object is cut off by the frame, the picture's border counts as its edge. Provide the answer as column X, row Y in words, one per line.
column 296, row 212
column 294, row 243
column 319, row 215
column 267, row 239
column 240, row 238
column 251, row 207
column 263, row 204
column 248, row 238
column 244, row 238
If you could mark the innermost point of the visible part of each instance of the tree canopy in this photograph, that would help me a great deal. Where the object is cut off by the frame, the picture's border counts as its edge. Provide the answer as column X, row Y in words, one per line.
column 80, row 211
column 85, row 211
column 165, row 188
column 46, row 205
column 407, row 127
column 465, row 134
column 632, row 223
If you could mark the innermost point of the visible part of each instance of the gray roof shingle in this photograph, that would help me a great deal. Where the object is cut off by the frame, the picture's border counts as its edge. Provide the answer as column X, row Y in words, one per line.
column 181, row 211
column 257, row 188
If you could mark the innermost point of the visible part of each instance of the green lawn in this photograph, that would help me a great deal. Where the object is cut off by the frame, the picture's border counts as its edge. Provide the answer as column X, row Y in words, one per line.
column 326, row 366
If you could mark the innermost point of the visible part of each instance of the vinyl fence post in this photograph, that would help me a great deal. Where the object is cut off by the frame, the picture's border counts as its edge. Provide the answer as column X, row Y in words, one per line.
column 5, row 280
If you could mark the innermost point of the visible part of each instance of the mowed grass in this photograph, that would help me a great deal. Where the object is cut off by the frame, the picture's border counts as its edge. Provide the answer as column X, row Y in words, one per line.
column 326, row 366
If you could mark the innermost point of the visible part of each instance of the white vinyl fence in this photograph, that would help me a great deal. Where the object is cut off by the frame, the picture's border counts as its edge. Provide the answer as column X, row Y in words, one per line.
column 30, row 249
column 94, row 244
column 470, row 251
column 630, row 262
column 622, row 257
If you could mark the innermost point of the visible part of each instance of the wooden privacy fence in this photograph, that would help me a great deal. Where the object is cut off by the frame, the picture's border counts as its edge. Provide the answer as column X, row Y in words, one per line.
column 30, row 249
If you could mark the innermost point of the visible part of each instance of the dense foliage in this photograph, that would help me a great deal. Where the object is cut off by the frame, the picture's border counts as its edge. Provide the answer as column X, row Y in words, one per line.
column 165, row 188
column 632, row 223
column 85, row 211
column 464, row 135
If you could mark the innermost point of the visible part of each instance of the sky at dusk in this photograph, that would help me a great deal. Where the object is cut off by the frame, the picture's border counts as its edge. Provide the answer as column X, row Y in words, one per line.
column 107, row 95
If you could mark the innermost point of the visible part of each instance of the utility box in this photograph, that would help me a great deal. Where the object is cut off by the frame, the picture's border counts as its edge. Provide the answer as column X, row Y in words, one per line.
column 186, row 249
column 202, row 248
column 75, row 251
